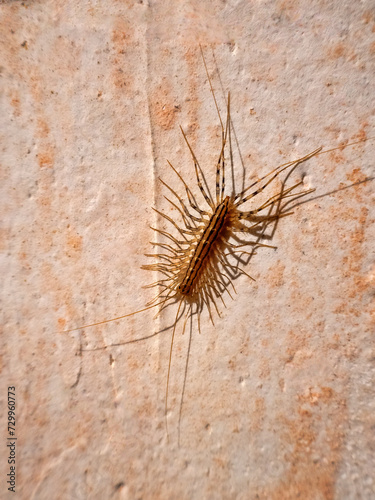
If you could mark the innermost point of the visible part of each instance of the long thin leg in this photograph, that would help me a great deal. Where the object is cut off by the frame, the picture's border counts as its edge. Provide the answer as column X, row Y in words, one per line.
column 274, row 199
column 186, row 220
column 185, row 379
column 181, row 231
column 207, row 196
column 167, row 235
column 220, row 167
column 227, row 131
column 114, row 319
column 208, row 305
column 169, row 368
column 278, row 171
column 190, row 195
column 211, row 88
column 289, row 164
column 221, row 162
column 175, row 251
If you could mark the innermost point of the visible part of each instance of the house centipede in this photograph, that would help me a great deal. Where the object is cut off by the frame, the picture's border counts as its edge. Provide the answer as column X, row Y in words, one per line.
column 201, row 264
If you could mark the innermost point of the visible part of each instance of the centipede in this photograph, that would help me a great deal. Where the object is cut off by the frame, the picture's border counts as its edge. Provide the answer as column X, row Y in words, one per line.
column 199, row 260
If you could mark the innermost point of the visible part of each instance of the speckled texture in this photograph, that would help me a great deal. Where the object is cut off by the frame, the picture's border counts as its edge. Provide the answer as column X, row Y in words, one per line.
column 279, row 398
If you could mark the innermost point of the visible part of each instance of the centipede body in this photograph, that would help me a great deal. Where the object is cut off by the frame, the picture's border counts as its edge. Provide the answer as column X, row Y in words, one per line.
column 202, row 257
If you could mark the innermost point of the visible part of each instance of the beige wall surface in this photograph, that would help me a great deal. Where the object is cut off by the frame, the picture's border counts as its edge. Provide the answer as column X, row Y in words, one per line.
column 278, row 397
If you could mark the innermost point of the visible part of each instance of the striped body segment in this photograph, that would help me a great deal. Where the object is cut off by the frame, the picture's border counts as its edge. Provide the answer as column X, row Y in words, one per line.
column 202, row 250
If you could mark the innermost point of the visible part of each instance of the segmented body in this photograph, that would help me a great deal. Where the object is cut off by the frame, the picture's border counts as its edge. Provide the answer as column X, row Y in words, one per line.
column 210, row 236
column 199, row 268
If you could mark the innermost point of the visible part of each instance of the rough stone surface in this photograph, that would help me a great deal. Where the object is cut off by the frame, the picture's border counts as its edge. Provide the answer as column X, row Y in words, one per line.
column 279, row 396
